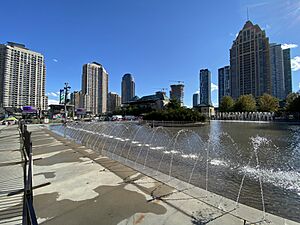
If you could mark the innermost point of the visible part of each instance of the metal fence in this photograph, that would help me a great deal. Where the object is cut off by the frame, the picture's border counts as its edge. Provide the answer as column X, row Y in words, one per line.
column 157, row 123
column 29, row 217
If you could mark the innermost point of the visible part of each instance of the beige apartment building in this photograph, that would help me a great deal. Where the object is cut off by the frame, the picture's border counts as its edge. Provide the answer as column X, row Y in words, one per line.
column 94, row 88
column 22, row 77
column 114, row 101
column 250, row 62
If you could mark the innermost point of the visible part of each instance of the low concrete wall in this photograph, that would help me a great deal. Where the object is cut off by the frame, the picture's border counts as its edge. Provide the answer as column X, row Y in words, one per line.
column 251, row 116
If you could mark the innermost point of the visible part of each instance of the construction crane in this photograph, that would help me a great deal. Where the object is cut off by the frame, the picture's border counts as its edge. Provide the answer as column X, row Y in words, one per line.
column 161, row 89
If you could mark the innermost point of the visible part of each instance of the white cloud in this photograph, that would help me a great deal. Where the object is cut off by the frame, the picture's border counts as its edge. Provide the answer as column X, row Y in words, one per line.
column 52, row 101
column 267, row 27
column 214, row 87
column 285, row 46
column 53, row 94
column 295, row 63
column 55, row 60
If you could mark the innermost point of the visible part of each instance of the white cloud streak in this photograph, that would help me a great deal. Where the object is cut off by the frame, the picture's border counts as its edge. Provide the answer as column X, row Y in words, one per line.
column 286, row 46
column 55, row 60
column 295, row 63
column 214, row 87
column 53, row 94
column 255, row 5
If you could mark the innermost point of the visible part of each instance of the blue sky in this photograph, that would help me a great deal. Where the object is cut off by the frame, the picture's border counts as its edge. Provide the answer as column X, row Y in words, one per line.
column 158, row 41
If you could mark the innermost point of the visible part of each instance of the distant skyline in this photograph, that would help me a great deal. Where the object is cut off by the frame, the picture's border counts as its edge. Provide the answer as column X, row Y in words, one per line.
column 156, row 41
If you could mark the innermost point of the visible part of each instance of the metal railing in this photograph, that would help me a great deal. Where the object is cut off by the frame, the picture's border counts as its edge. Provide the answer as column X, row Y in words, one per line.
column 156, row 123
column 29, row 217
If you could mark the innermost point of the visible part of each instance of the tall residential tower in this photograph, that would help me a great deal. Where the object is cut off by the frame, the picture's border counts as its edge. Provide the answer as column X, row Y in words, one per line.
column 177, row 92
column 128, row 88
column 196, row 99
column 224, row 82
column 205, row 87
column 94, row 88
column 250, row 62
column 22, row 77
column 113, row 102
column 287, row 71
column 277, row 71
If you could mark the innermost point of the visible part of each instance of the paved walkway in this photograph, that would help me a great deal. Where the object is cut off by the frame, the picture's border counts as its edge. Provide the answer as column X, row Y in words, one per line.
column 11, row 176
column 84, row 190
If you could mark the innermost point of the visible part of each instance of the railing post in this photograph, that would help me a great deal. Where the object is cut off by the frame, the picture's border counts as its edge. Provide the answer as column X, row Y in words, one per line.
column 29, row 217
column 29, row 195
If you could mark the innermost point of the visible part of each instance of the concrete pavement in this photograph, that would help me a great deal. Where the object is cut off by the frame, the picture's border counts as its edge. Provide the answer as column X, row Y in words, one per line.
column 88, row 189
column 11, row 176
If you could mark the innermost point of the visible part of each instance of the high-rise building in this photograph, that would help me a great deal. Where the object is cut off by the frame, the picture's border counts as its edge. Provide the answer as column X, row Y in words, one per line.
column 277, row 71
column 177, row 92
column 22, row 77
column 196, row 99
column 94, row 88
column 250, row 62
column 76, row 99
column 287, row 71
column 205, row 87
column 128, row 88
column 114, row 101
column 224, row 82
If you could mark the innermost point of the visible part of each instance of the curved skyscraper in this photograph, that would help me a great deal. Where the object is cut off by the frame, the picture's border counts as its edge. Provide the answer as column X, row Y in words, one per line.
column 128, row 88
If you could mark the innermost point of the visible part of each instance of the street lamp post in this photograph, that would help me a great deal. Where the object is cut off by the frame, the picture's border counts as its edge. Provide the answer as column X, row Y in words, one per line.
column 66, row 89
column 61, row 93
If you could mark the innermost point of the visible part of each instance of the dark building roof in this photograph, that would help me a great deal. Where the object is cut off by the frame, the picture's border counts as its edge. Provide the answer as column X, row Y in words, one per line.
column 249, row 24
column 157, row 96
column 135, row 98
column 150, row 98
column 97, row 63
column 13, row 44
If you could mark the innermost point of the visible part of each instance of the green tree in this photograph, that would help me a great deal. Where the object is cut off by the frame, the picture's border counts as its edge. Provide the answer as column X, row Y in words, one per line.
column 268, row 103
column 226, row 104
column 293, row 102
column 245, row 103
column 181, row 114
column 174, row 104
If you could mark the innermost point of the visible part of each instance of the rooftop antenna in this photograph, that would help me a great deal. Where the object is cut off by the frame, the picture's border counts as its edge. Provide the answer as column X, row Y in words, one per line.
column 247, row 14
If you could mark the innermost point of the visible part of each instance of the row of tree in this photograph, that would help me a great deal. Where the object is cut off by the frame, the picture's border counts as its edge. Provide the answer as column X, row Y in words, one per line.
column 265, row 103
